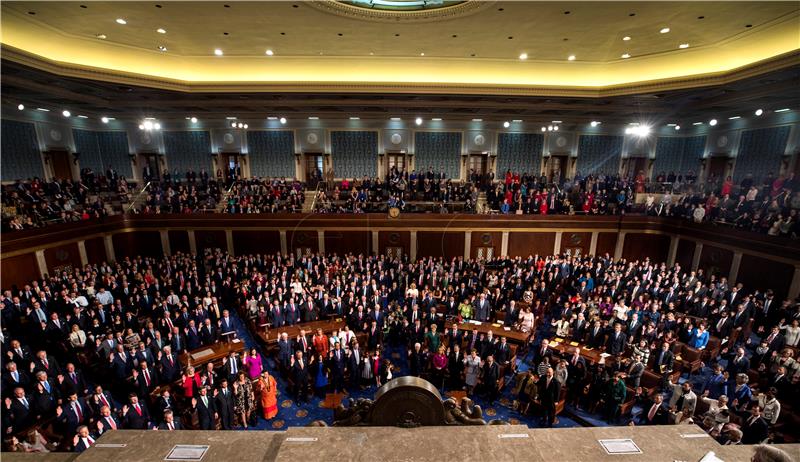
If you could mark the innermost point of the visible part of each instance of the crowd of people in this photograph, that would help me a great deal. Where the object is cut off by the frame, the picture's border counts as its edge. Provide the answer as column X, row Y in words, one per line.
column 176, row 193
column 95, row 349
column 37, row 203
column 256, row 195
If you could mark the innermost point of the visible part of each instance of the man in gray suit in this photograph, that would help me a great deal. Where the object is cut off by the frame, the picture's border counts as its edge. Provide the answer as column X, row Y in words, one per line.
column 482, row 308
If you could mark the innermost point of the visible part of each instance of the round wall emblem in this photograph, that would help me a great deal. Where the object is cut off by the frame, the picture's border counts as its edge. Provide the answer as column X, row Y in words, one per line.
column 561, row 142
column 55, row 135
column 486, row 238
column 394, row 238
column 312, row 138
column 722, row 141
column 480, row 140
column 228, row 138
column 396, row 138
column 575, row 239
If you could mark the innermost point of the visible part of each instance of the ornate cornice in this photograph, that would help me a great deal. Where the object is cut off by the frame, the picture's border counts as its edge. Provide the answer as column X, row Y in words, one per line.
column 465, row 8
column 85, row 72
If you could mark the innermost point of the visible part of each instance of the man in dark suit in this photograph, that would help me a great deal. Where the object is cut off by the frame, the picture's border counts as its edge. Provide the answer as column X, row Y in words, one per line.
column 595, row 337
column 170, row 369
column 663, row 363
column 206, row 410
column 223, row 400
column 208, row 334
column 354, row 359
column 336, row 366
column 490, row 379
column 106, row 421
column 145, row 379
column 299, row 376
column 170, row 423
column 616, row 341
column 549, row 394
column 541, row 352
column 755, row 429
column 231, row 365
column 14, row 377
column 654, row 412
column 19, row 409
column 285, row 353
column 738, row 363
column 135, row 414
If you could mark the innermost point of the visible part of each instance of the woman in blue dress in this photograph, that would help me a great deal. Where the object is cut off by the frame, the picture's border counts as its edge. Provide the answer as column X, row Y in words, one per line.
column 320, row 375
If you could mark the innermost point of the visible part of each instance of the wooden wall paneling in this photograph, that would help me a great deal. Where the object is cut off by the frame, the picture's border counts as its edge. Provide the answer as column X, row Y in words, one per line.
column 252, row 242
column 210, row 239
column 440, row 244
column 302, row 239
column 493, row 239
column 715, row 260
column 579, row 242
column 61, row 256
column 640, row 245
column 523, row 243
column 95, row 250
column 606, row 243
column 178, row 241
column 18, row 270
column 135, row 243
column 394, row 239
column 762, row 274
column 685, row 253
column 343, row 242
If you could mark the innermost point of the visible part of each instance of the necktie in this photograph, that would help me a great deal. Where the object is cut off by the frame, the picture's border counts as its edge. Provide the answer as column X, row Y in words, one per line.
column 78, row 412
column 770, row 339
column 89, row 441
column 111, row 422
column 74, row 377
column 104, row 400
column 25, row 402
column 233, row 366
column 652, row 412
column 47, row 386
column 19, row 352
column 138, row 409
column 170, row 426
column 147, row 377
column 46, row 364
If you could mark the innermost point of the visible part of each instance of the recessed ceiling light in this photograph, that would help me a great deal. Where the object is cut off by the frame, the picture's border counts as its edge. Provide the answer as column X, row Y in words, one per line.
column 523, row 56
column 42, row 109
column 395, row 118
column 734, row 117
column 21, row 107
column 698, row 123
column 437, row 119
column 161, row 30
column 544, row 129
column 683, row 45
column 477, row 120
column 422, row 54
column 556, row 121
column 555, row 128
column 157, row 126
column 193, row 120
column 141, row 126
column 313, row 118
column 83, row 117
column 104, row 119
column 65, row 113
column 418, row 121
column 549, row 128
column 270, row 52
column 162, row 48
column 712, row 122
column 121, row 21
column 677, row 127
column 759, row 112
column 594, row 123
column 626, row 38
column 506, row 124
column 671, row 125
column 218, row 52
column 101, row 36
column 517, row 121
column 283, row 120
column 664, row 30
column 355, row 118
column 571, row 58
column 269, row 118
column 626, row 55
column 783, row 110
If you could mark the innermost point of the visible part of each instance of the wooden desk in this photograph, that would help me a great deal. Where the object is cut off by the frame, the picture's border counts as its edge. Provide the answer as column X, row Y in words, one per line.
column 591, row 356
column 212, row 353
column 513, row 336
column 270, row 336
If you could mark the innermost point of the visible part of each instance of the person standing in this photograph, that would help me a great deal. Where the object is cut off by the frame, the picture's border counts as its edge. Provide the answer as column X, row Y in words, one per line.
column 549, row 394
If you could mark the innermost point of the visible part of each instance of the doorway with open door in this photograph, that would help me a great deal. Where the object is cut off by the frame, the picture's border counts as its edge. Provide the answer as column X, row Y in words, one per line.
column 151, row 169
column 61, row 163
column 716, row 171
column 231, row 166
column 557, row 168
column 314, row 164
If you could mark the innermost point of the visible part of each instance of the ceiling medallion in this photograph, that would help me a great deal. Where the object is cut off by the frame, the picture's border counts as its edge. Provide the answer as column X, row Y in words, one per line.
column 401, row 10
